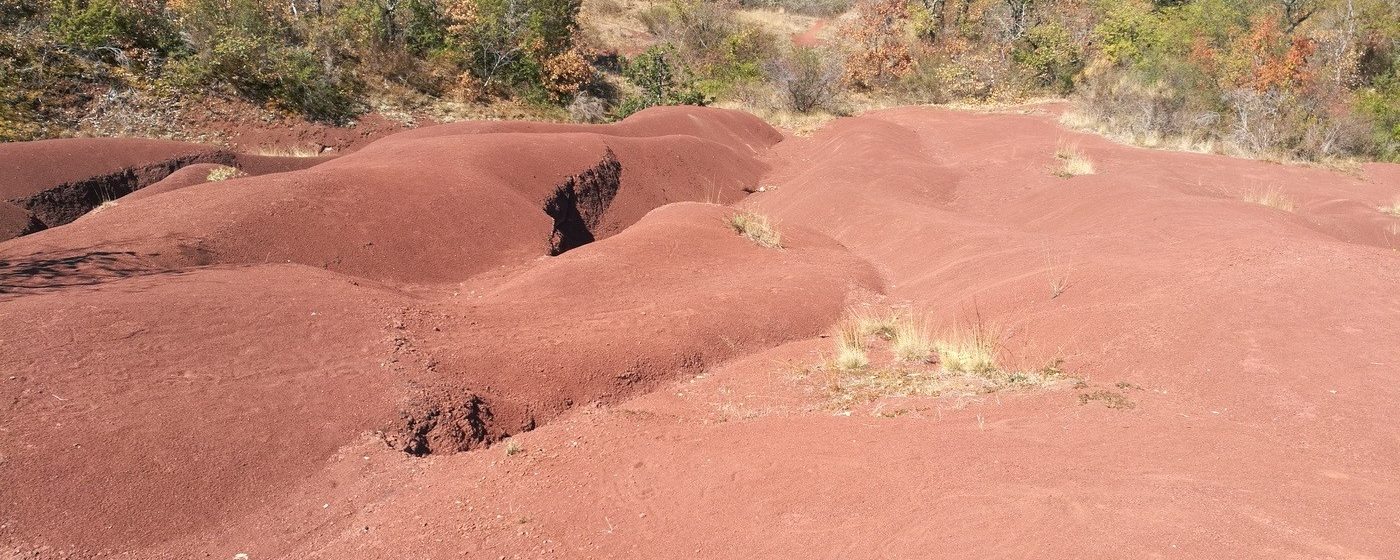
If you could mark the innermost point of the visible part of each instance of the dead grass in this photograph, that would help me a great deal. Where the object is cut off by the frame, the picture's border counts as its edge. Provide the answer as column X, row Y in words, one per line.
column 1079, row 121
column 288, row 151
column 1272, row 197
column 778, row 22
column 1109, row 399
column 757, row 228
column 1059, row 282
column 223, row 173
column 1073, row 162
column 875, row 324
column 1393, row 209
column 850, row 347
column 961, row 362
column 910, row 342
column 106, row 205
column 799, row 124
column 512, row 448
column 967, row 351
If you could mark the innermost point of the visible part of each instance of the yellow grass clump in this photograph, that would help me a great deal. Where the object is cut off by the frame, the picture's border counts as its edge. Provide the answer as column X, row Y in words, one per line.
column 223, row 173
column 1073, row 162
column 757, row 228
column 850, row 346
column 1272, row 197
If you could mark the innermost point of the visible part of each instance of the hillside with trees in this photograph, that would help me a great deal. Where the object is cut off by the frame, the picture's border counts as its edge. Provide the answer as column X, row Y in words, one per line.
column 1288, row 79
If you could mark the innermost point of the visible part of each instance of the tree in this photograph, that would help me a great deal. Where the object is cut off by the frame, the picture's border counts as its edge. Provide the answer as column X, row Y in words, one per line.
column 878, row 54
column 660, row 80
column 1295, row 12
column 808, row 78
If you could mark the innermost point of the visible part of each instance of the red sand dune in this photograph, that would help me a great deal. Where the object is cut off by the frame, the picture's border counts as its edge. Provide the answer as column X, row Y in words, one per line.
column 282, row 365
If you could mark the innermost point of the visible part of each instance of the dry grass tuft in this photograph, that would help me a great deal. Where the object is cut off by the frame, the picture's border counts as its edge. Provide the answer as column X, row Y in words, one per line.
column 869, row 324
column 757, row 228
column 1272, row 197
column 965, row 353
column 223, row 173
column 1393, row 209
column 1058, row 284
column 850, row 346
column 963, row 363
column 106, row 205
column 288, row 151
column 1073, row 162
column 911, row 342
column 513, row 448
column 1078, row 120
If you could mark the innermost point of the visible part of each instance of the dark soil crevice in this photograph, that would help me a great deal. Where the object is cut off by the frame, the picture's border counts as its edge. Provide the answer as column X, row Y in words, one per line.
column 64, row 203
column 578, row 204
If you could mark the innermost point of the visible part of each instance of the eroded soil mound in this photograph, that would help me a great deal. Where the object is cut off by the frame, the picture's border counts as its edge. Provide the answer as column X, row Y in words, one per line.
column 533, row 340
column 286, row 362
column 472, row 200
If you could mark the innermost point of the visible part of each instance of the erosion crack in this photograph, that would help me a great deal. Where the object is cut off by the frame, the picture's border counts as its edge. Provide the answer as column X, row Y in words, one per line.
column 578, row 204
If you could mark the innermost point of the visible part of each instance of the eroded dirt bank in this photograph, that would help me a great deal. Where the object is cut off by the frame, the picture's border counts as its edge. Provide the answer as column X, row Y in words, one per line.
column 330, row 352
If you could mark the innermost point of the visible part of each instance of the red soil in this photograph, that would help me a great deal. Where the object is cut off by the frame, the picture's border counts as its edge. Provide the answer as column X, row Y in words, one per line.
column 812, row 36
column 187, row 176
column 27, row 168
column 239, row 367
column 52, row 182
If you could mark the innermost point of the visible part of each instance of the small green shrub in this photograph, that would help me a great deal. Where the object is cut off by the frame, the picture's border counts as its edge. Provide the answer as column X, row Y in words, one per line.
column 94, row 24
column 1380, row 101
column 249, row 47
column 1050, row 56
column 506, row 43
column 661, row 81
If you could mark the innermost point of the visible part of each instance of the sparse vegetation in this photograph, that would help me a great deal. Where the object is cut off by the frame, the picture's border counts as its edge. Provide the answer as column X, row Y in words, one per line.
column 1073, row 162
column 964, row 362
column 1273, row 197
column 757, row 228
column 1393, row 209
column 850, row 346
column 811, row 7
column 809, row 79
column 968, row 351
column 910, row 342
column 289, row 151
column 512, row 448
column 1058, row 271
column 1058, row 284
column 884, row 326
column 106, row 205
column 1240, row 76
column 1109, row 399
column 222, row 173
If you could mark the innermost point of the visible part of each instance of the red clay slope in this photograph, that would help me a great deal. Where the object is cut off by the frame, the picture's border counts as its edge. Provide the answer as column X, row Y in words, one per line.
column 1248, row 352
column 433, row 205
column 1250, row 349
column 152, row 401
column 55, row 181
column 49, row 183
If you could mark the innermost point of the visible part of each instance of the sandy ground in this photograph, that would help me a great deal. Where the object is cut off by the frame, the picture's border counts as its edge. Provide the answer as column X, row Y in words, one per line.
column 516, row 340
